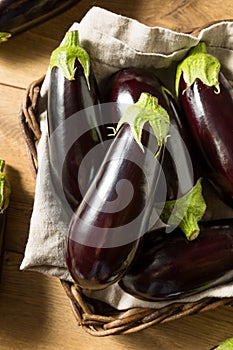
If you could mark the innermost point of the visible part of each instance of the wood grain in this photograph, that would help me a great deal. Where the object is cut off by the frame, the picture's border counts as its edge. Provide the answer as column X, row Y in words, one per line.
column 34, row 310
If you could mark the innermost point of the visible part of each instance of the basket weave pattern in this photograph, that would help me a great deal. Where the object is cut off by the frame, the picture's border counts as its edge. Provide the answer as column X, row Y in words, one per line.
column 95, row 317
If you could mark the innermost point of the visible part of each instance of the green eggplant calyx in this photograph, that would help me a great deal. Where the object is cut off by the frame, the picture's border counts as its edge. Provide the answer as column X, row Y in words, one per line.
column 4, row 36
column 186, row 211
column 5, row 189
column 147, row 109
column 67, row 53
column 199, row 65
column 225, row 345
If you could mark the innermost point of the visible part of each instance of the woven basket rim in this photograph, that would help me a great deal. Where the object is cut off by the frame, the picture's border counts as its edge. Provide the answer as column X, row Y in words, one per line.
column 95, row 317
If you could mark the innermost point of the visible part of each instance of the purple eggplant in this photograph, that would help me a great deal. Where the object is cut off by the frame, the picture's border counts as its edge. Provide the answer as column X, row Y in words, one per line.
column 125, row 86
column 74, row 119
column 179, row 166
column 169, row 266
column 185, row 204
column 17, row 16
column 100, row 248
column 207, row 100
column 105, row 231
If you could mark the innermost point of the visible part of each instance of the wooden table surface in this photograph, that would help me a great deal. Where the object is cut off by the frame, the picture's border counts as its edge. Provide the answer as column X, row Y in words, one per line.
column 34, row 310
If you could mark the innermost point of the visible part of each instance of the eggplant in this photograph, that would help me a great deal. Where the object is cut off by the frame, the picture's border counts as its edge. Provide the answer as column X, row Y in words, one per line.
column 185, row 204
column 179, row 179
column 105, row 231
column 179, row 165
column 206, row 97
column 74, row 120
column 18, row 16
column 169, row 266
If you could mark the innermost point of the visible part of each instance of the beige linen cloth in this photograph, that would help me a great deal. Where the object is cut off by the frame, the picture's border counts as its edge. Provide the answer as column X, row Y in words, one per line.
column 114, row 42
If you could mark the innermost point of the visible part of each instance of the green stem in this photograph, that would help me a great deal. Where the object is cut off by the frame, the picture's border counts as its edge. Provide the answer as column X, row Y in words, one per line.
column 67, row 53
column 189, row 226
column 5, row 189
column 186, row 211
column 2, row 164
column 4, row 36
column 199, row 65
column 225, row 345
column 147, row 109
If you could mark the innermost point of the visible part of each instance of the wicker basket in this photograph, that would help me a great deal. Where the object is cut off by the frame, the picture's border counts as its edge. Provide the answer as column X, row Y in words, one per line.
column 95, row 317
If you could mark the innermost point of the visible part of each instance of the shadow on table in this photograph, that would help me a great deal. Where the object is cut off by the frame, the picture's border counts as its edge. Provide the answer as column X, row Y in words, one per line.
column 23, row 306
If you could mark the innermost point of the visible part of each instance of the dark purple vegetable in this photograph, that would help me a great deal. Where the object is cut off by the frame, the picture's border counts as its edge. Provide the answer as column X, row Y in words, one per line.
column 17, row 16
column 74, row 117
column 125, row 86
column 179, row 164
column 105, row 230
column 169, row 266
column 179, row 175
column 185, row 205
column 100, row 246
column 207, row 100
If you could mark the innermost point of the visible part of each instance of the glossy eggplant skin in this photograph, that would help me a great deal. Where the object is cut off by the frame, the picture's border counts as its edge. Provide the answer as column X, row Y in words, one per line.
column 180, row 166
column 209, row 116
column 17, row 16
column 99, row 253
column 71, row 99
column 168, row 266
column 125, row 86
column 100, row 247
